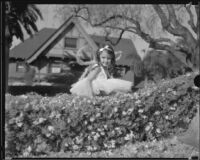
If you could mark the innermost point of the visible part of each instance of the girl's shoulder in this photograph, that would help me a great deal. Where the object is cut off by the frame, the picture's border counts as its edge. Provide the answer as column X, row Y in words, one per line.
column 93, row 66
column 88, row 69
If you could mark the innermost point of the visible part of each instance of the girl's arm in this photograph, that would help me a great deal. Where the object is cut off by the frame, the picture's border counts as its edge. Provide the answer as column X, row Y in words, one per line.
column 92, row 75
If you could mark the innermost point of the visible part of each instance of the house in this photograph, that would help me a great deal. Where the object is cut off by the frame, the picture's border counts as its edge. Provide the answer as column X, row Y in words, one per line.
column 50, row 50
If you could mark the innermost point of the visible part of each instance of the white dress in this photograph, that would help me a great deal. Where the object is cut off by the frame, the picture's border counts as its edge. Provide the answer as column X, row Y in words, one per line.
column 101, row 84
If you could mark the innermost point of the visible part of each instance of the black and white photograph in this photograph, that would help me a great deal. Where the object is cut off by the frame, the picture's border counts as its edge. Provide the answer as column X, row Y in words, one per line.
column 100, row 80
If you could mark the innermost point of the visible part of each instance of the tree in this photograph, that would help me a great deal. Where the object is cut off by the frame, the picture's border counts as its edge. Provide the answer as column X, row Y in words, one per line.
column 18, row 16
column 163, row 27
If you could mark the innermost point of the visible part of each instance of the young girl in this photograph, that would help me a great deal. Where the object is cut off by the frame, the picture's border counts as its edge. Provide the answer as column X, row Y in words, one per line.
column 98, row 78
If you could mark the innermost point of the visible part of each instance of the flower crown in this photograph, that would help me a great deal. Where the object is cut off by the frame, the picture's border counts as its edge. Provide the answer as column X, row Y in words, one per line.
column 105, row 48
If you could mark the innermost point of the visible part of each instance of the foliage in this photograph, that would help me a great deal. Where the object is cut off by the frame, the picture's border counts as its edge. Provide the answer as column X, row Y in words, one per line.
column 20, row 15
column 37, row 125
column 159, row 65
column 157, row 25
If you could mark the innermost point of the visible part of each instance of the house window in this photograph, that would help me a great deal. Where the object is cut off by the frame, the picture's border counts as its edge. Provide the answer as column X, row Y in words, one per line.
column 20, row 67
column 55, row 68
column 70, row 42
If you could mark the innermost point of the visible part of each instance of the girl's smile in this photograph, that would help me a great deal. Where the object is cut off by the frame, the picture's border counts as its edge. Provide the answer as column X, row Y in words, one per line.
column 105, row 59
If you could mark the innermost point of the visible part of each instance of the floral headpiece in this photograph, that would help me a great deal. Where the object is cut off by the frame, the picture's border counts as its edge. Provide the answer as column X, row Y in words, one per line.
column 105, row 48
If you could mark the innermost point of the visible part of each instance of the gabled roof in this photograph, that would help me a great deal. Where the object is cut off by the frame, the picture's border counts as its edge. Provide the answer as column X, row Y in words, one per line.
column 30, row 46
column 47, row 42
column 33, row 47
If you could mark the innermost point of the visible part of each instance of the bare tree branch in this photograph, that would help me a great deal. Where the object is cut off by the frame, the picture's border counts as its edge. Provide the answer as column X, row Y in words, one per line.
column 172, row 16
column 171, row 25
column 197, row 13
column 197, row 10
column 128, row 29
column 191, row 20
column 178, row 29
column 165, row 22
column 119, row 38
column 160, row 40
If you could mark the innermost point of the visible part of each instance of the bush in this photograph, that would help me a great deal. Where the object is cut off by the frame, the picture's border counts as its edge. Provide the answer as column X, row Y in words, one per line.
column 37, row 125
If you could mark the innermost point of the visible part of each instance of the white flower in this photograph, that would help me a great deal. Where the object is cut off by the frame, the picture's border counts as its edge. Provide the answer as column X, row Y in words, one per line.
column 195, row 88
column 124, row 113
column 29, row 149
column 58, row 115
column 115, row 109
column 169, row 90
column 96, row 137
column 157, row 113
column 90, row 127
column 99, row 129
column 144, row 116
column 89, row 101
column 27, row 106
column 174, row 92
column 158, row 130
column 105, row 126
column 140, row 110
column 75, row 147
column 66, row 144
column 51, row 128
column 98, row 115
column 89, row 138
column 89, row 148
column 85, row 122
column 130, row 110
column 151, row 124
column 188, row 74
column 93, row 133
column 78, row 140
column 68, row 120
column 19, row 124
column 175, row 104
column 24, row 96
column 135, row 95
column 52, row 114
column 102, row 133
column 112, row 143
column 105, row 145
column 41, row 120
column 48, row 134
column 25, row 154
column 147, row 128
column 166, row 117
column 138, row 101
column 92, row 119
column 117, row 128
column 74, row 101
column 172, row 108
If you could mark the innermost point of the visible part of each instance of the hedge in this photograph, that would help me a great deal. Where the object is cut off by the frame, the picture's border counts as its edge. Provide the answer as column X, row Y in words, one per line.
column 37, row 125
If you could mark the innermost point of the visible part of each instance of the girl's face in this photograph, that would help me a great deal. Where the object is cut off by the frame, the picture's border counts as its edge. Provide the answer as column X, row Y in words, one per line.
column 105, row 59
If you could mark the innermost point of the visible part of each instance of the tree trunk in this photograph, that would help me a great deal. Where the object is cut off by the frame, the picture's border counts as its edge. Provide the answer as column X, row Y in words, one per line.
column 6, row 60
column 6, row 56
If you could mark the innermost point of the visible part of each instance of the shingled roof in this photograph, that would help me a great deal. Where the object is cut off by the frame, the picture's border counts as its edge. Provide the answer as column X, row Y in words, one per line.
column 31, row 45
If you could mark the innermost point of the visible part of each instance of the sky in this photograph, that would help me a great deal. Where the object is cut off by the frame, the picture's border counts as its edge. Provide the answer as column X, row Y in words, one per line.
column 53, row 21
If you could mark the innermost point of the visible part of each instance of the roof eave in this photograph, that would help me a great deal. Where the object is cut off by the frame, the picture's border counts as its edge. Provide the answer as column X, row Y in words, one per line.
column 69, row 24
